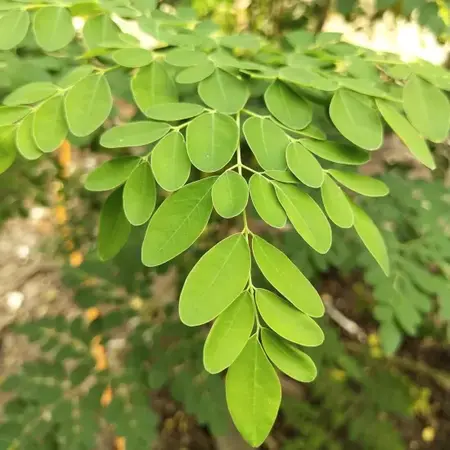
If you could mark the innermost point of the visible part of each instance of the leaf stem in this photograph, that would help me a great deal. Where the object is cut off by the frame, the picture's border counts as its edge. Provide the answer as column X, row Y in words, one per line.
column 253, row 114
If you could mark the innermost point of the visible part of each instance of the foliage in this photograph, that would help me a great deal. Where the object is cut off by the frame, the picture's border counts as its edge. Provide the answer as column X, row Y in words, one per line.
column 205, row 99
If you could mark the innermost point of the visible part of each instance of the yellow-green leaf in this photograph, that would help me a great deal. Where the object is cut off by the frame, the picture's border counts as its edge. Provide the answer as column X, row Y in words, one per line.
column 216, row 280
column 361, row 184
column 7, row 148
column 230, row 194
column 13, row 28
column 304, row 165
column 229, row 334
column 174, row 111
column 335, row 152
column 30, row 93
column 132, row 57
column 25, row 140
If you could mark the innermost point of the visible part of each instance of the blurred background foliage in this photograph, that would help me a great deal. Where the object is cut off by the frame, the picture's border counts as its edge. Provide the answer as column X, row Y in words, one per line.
column 135, row 378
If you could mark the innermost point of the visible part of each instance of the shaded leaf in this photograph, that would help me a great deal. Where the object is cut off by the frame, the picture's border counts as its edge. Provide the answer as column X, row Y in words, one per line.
column 181, row 57
column 7, row 148
column 338, row 153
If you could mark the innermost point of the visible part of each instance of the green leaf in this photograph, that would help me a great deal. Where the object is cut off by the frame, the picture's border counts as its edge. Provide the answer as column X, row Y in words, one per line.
column 244, row 41
column 253, row 393
column 230, row 194
column 174, row 111
column 30, row 93
column 287, row 321
column 267, row 141
column 356, row 119
column 53, row 28
column 88, row 105
column 181, row 57
column 13, row 28
column 372, row 238
column 289, row 359
column 427, row 108
column 288, row 107
column 178, row 222
column 306, row 77
column 338, row 153
column 229, row 334
column 211, row 141
column 49, row 124
column 286, row 278
column 362, row 184
column 152, row 85
column 7, row 148
column 139, row 195
column 25, row 140
column 336, row 204
column 407, row 133
column 223, row 92
column 195, row 74
column 132, row 57
column 304, row 165
column 75, row 75
column 390, row 337
column 216, row 280
column 114, row 227
column 170, row 162
column 266, row 202
column 363, row 86
column 306, row 217
column 11, row 114
column 285, row 176
column 101, row 31
column 111, row 174
column 134, row 134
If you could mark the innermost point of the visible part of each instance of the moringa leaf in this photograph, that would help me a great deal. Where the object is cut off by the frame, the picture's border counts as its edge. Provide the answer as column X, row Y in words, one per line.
column 25, row 142
column 286, row 278
column 134, row 134
column 216, row 280
column 267, row 141
column 7, row 148
column 253, row 393
column 304, row 165
column 174, row 111
column 288, row 107
column 266, row 202
column 195, row 74
column 170, row 162
column 132, row 57
column 356, row 119
column 290, row 360
column 53, row 28
column 211, row 140
column 139, row 195
column 88, row 104
column 287, row 321
column 30, row 93
column 361, row 184
column 178, row 222
column 336, row 203
column 229, row 334
column 335, row 152
column 230, row 194
column 12, row 114
column 13, row 28
column 223, row 92
column 181, row 57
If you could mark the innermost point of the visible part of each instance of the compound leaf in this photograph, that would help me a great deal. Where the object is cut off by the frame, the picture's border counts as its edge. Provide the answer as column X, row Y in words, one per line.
column 407, row 133
column 53, row 28
column 286, row 278
column 178, row 222
column 336, row 204
column 211, row 141
column 114, row 227
column 88, row 105
column 230, row 194
column 223, row 92
column 290, row 360
column 170, row 162
column 134, row 134
column 229, row 334
column 216, row 280
column 287, row 321
column 49, row 124
column 288, row 107
column 111, row 174
column 139, row 195
column 304, row 165
column 356, row 119
column 266, row 202
column 267, row 141
column 361, row 184
column 371, row 237
column 253, row 393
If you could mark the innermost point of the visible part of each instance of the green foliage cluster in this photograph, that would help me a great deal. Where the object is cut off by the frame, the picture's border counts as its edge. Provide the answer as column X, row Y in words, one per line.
column 225, row 121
